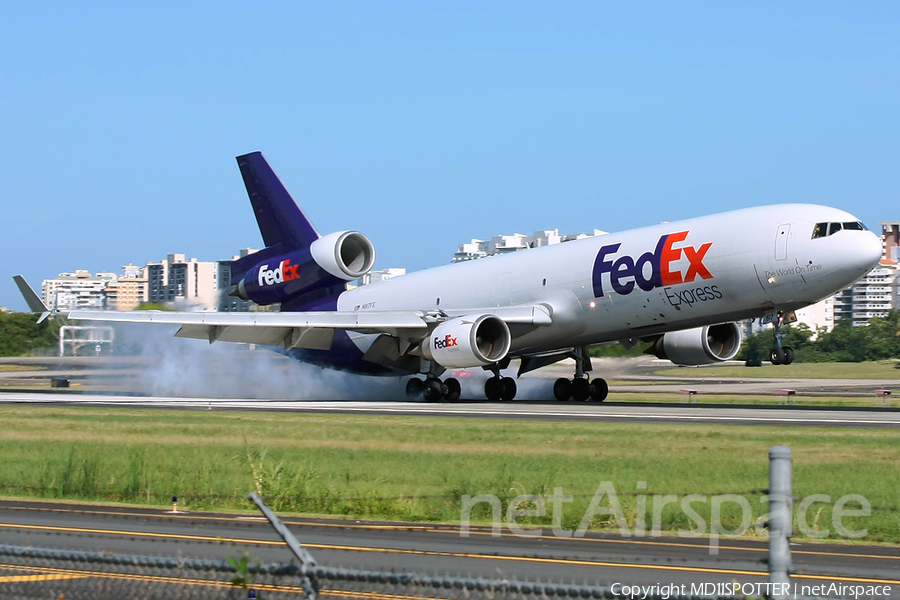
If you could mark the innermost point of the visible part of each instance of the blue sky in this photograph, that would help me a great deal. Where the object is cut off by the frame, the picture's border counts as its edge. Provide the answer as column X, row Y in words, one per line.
column 427, row 124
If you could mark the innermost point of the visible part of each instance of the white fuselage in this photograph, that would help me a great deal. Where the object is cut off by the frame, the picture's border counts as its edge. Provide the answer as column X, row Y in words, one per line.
column 714, row 269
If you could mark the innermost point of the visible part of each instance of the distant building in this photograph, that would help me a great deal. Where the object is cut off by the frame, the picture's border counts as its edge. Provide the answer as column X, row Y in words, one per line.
column 890, row 240
column 819, row 315
column 872, row 296
column 503, row 244
column 128, row 291
column 228, row 303
column 381, row 275
column 77, row 291
column 177, row 279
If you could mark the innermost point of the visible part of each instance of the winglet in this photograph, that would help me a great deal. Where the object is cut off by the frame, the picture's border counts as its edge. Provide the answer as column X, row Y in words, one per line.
column 35, row 304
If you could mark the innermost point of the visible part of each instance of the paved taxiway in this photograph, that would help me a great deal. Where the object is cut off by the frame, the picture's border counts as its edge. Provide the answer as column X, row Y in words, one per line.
column 417, row 547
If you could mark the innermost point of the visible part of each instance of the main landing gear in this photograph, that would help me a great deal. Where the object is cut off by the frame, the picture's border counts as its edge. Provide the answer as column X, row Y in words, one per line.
column 580, row 387
column 433, row 389
column 500, row 388
column 780, row 355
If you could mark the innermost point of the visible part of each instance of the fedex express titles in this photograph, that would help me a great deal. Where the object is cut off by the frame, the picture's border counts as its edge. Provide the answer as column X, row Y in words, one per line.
column 624, row 272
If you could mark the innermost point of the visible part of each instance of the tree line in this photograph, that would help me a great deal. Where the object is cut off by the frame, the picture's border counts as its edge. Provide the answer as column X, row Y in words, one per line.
column 880, row 340
column 20, row 335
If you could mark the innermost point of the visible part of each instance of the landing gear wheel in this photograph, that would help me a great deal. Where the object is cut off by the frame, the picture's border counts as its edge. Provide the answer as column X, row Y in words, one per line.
column 777, row 356
column 581, row 389
column 788, row 355
column 414, row 387
column 562, row 389
column 451, row 390
column 494, row 388
column 599, row 390
column 433, row 391
column 509, row 388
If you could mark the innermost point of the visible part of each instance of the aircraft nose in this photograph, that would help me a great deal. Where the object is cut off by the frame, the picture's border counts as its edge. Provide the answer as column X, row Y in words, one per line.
column 865, row 252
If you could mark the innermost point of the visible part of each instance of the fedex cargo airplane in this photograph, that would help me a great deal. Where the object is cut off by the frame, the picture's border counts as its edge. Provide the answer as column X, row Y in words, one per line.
column 680, row 286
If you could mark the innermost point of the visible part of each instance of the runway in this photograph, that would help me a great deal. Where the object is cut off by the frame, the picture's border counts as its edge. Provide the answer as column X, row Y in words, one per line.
column 425, row 548
column 793, row 416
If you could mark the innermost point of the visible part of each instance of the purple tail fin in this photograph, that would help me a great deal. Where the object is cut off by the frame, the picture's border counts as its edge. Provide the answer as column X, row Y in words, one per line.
column 281, row 221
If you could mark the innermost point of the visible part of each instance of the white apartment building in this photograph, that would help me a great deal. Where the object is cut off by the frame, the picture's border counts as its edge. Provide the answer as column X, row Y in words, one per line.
column 502, row 244
column 77, row 291
column 381, row 275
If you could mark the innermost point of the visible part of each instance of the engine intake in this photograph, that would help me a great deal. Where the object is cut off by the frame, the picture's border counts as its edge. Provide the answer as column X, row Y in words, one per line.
column 347, row 255
column 470, row 341
column 699, row 346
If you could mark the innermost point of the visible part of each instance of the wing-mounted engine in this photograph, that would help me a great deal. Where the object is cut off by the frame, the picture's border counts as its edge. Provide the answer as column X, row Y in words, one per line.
column 470, row 341
column 329, row 260
column 699, row 346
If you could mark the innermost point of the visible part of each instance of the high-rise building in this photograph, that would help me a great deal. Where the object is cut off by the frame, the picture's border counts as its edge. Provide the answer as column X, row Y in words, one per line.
column 177, row 279
column 227, row 303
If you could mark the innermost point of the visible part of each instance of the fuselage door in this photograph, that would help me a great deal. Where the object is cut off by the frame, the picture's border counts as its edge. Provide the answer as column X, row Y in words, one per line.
column 781, row 241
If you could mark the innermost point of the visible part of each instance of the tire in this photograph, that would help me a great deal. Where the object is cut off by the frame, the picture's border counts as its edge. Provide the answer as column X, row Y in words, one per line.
column 776, row 356
column 788, row 355
column 562, row 389
column 581, row 389
column 414, row 387
column 599, row 390
column 451, row 390
column 509, row 388
column 493, row 389
column 433, row 391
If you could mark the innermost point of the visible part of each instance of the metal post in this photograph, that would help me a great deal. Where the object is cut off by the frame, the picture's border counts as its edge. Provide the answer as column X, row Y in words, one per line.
column 305, row 558
column 781, row 503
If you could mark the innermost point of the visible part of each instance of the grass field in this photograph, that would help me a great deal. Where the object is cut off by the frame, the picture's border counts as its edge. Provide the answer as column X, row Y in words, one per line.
column 864, row 370
column 413, row 468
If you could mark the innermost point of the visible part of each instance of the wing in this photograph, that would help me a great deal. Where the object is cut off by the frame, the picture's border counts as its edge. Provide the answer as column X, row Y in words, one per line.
column 312, row 330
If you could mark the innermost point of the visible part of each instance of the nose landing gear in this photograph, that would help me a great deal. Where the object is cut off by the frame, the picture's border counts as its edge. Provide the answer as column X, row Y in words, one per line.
column 780, row 355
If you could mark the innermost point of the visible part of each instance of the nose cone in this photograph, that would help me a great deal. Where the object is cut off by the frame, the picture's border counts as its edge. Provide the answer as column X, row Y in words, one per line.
column 864, row 253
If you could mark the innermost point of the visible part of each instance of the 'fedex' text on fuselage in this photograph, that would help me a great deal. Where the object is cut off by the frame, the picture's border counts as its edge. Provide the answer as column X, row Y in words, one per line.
column 624, row 272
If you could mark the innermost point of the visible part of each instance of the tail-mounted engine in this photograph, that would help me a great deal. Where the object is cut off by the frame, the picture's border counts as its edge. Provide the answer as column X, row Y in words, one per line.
column 470, row 341
column 699, row 346
column 335, row 258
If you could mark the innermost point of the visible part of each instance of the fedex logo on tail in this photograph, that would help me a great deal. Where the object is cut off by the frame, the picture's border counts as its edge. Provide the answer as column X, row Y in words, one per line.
column 285, row 271
column 651, row 269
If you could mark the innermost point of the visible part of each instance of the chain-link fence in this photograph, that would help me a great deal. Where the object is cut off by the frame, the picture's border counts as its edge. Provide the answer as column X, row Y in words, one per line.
column 69, row 575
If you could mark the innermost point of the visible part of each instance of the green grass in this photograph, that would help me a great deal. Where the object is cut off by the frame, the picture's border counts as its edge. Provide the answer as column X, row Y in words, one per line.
column 418, row 469
column 889, row 369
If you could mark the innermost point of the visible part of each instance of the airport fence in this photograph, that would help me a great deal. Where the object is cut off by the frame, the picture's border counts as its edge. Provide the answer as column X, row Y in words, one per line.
column 74, row 575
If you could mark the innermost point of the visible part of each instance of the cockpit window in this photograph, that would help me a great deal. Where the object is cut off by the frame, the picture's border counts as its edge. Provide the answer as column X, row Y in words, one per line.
column 825, row 229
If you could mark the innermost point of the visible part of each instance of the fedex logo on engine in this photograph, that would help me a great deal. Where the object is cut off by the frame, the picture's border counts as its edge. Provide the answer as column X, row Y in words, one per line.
column 652, row 269
column 285, row 271
column 445, row 342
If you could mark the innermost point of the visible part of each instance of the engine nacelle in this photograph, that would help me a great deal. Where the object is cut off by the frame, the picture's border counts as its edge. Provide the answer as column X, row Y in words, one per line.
column 699, row 346
column 470, row 341
column 335, row 258
column 347, row 255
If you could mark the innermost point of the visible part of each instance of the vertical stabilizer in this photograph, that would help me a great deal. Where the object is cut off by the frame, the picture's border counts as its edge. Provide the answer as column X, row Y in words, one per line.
column 280, row 219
